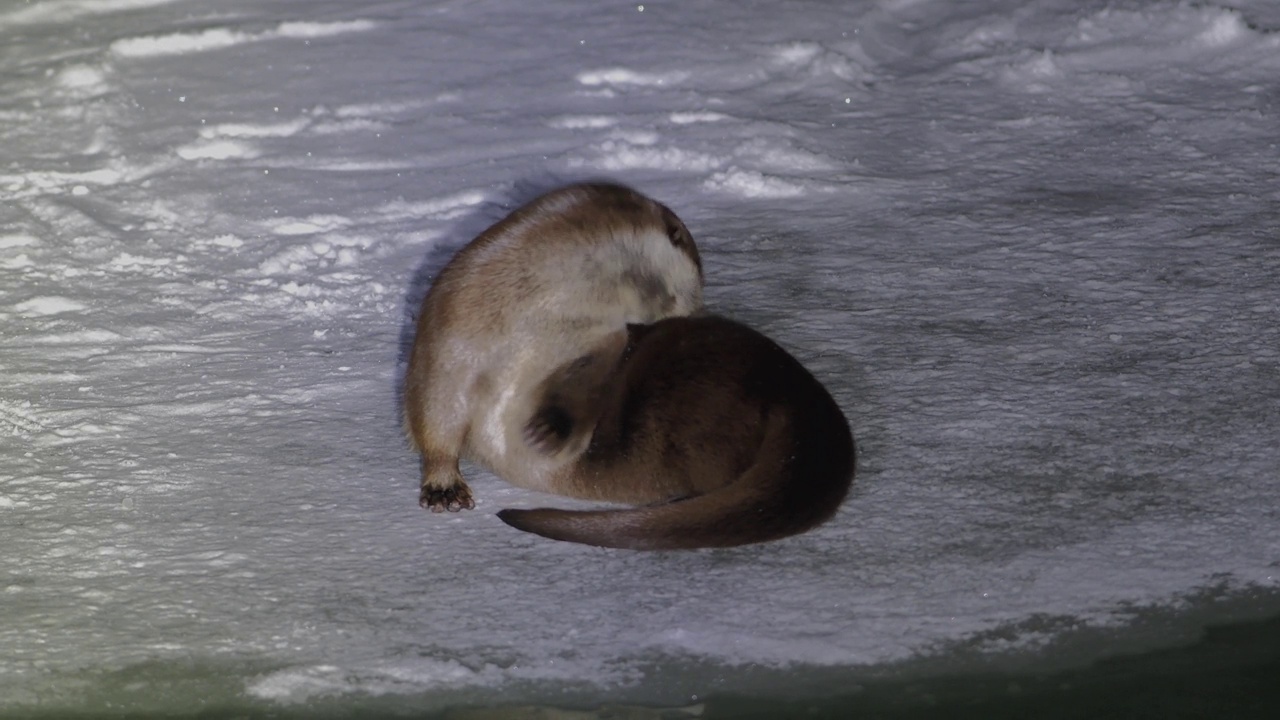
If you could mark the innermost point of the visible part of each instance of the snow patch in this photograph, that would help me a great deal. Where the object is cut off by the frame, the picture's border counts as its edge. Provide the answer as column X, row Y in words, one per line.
column 623, row 77
column 129, row 261
column 219, row 38
column 88, row 336
column 333, row 251
column 104, row 176
column 11, row 241
column 1112, row 40
column 582, row 122
column 799, row 53
column 688, row 118
column 747, row 650
column 291, row 260
column 218, row 150
column 67, row 10
column 16, row 263
column 243, row 130
column 48, row 305
column 442, row 208
column 779, row 156
column 333, row 127
column 378, row 109
column 179, row 43
column 81, row 77
column 310, row 225
column 227, row 241
column 989, row 36
column 58, row 181
column 363, row 166
column 817, row 60
column 616, row 155
column 752, row 184
column 1225, row 28
column 300, row 684
column 636, row 137
column 1032, row 70
column 323, row 29
column 1042, row 65
column 18, row 419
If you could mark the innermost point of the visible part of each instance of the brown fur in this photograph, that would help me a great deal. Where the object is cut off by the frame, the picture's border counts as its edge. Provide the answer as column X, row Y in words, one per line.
column 541, row 287
column 724, row 437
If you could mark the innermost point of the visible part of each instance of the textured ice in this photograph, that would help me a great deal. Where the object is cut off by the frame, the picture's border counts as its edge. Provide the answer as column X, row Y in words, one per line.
column 1030, row 245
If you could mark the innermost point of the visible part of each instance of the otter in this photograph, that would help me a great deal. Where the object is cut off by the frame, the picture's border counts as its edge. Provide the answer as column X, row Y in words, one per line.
column 558, row 276
column 719, row 434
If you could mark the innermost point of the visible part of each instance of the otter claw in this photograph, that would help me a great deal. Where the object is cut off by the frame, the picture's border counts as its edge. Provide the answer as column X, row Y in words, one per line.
column 451, row 499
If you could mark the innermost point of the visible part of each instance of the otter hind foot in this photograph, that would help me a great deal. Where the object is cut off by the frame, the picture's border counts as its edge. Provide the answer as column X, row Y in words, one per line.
column 452, row 499
column 569, row 399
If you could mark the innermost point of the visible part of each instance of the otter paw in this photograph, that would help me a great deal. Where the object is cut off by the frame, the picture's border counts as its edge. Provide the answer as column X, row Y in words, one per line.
column 549, row 429
column 452, row 499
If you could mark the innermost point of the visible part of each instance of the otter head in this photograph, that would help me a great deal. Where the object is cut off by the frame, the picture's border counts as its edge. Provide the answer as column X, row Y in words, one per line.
column 673, row 276
column 645, row 248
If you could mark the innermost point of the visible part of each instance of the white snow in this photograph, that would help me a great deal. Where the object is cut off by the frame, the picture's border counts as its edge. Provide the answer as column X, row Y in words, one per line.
column 217, row 150
column 623, row 76
column 48, row 305
column 12, row 241
column 1032, row 247
column 751, row 184
column 221, row 38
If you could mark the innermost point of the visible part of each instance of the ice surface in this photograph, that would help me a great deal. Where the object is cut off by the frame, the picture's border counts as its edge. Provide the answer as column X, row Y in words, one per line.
column 1032, row 247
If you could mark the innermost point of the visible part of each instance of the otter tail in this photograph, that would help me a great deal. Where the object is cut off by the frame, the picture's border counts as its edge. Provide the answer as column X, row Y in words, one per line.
column 801, row 474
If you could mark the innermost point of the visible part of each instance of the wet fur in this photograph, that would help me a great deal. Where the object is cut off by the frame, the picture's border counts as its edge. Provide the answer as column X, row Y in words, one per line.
column 555, row 278
column 720, row 435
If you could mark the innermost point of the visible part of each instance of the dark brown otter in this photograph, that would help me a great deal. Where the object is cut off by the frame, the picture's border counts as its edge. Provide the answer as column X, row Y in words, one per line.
column 722, row 436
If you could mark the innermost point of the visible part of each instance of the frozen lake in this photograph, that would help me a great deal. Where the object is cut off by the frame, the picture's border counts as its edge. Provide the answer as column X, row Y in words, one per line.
column 1031, row 246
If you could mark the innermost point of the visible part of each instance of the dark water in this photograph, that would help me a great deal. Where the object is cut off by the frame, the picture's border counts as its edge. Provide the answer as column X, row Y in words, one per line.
column 1232, row 671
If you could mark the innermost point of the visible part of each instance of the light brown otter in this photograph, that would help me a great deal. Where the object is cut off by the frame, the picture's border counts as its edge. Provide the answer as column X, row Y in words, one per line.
column 721, row 435
column 555, row 278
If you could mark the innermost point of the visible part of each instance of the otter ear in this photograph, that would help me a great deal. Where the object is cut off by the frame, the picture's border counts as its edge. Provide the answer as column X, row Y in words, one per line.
column 568, row 401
